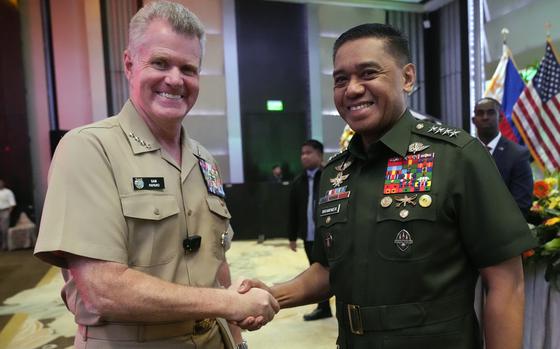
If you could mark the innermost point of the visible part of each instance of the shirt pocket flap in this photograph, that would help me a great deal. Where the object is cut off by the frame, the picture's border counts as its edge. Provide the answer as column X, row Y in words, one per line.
column 218, row 206
column 149, row 206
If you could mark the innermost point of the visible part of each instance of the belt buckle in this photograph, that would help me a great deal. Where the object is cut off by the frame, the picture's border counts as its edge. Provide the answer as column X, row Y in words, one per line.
column 354, row 313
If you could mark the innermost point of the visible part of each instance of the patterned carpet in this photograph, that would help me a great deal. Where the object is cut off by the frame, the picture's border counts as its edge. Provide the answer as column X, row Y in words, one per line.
column 40, row 319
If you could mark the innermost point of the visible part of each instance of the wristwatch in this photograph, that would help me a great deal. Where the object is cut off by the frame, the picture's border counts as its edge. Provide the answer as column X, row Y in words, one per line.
column 243, row 345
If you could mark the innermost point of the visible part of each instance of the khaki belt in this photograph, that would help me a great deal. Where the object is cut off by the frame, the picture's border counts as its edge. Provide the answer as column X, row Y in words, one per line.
column 146, row 332
column 392, row 317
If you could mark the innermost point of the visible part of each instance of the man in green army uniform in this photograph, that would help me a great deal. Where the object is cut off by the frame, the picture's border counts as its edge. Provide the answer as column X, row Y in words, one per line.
column 135, row 213
column 408, row 217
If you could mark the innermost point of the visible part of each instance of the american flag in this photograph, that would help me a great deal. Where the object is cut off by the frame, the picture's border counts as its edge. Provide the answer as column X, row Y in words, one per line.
column 537, row 112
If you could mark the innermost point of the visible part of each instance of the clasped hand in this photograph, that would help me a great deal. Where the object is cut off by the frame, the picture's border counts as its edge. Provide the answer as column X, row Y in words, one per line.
column 256, row 305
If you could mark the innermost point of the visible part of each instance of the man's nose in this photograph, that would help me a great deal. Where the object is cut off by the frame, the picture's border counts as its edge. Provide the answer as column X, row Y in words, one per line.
column 355, row 88
column 173, row 77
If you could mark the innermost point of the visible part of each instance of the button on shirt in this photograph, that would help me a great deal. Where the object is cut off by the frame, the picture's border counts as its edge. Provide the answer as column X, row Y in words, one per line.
column 310, row 198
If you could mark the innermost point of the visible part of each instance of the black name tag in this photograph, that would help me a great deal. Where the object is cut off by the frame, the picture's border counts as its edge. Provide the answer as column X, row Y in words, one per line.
column 330, row 210
column 148, row 183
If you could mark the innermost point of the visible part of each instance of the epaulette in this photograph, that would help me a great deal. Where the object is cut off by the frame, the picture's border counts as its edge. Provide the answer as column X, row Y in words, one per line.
column 336, row 157
column 453, row 135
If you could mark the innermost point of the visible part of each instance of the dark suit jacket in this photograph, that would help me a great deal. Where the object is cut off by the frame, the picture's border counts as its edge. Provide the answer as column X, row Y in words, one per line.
column 299, row 192
column 513, row 160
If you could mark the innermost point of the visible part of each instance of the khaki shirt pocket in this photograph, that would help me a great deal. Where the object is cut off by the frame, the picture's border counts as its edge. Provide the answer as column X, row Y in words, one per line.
column 153, row 228
column 407, row 239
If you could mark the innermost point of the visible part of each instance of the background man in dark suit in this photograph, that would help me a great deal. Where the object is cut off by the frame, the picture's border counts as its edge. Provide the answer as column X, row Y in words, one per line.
column 511, row 158
column 303, row 200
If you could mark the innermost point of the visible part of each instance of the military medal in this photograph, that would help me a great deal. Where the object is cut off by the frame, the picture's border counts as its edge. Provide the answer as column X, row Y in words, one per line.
column 410, row 174
column 425, row 200
column 335, row 194
column 338, row 180
column 212, row 178
column 417, row 147
column 403, row 240
column 386, row 201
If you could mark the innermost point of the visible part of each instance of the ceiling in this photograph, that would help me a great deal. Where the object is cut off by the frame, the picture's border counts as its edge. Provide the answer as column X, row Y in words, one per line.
column 394, row 5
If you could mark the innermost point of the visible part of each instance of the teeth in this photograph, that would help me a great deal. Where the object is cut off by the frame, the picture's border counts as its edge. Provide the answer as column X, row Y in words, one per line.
column 169, row 95
column 360, row 106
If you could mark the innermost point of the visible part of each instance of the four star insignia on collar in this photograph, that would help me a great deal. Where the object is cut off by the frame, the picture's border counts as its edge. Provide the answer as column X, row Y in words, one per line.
column 417, row 147
column 338, row 180
column 141, row 141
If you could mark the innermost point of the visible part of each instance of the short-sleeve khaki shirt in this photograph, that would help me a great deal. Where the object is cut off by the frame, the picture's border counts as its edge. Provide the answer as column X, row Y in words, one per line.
column 404, row 228
column 115, row 195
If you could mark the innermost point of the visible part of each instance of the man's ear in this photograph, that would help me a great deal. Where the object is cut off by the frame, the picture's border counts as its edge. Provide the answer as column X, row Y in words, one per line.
column 128, row 62
column 409, row 77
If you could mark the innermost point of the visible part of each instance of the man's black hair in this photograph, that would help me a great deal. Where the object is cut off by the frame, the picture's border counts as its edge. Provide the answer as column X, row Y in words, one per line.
column 315, row 144
column 395, row 41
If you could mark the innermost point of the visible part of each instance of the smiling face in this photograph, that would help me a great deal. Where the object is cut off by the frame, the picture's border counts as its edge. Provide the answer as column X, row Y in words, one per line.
column 163, row 74
column 370, row 87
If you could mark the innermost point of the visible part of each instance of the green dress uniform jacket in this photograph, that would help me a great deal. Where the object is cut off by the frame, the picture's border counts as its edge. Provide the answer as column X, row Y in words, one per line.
column 404, row 227
column 115, row 195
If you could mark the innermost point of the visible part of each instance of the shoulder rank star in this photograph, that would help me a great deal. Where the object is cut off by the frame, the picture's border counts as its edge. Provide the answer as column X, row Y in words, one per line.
column 417, row 147
column 338, row 180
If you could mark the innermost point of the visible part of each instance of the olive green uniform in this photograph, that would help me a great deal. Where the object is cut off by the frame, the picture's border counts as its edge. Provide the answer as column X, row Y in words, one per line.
column 404, row 257
column 115, row 195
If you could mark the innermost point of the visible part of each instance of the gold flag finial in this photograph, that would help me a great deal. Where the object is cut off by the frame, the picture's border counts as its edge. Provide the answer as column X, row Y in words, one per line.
column 505, row 32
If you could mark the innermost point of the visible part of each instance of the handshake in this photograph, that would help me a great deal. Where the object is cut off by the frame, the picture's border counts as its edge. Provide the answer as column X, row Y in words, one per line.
column 254, row 306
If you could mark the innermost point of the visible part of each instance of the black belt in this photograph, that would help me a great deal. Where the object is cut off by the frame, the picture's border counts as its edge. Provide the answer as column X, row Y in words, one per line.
column 362, row 319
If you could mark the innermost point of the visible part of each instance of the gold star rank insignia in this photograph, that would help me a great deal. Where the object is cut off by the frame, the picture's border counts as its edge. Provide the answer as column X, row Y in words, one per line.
column 338, row 180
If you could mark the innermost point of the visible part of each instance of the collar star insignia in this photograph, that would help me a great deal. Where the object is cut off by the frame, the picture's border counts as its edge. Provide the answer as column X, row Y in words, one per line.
column 338, row 180
column 404, row 200
column 454, row 133
column 417, row 147
column 433, row 129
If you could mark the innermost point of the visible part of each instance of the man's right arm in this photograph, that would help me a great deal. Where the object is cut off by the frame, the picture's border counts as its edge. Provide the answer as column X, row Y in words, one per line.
column 122, row 294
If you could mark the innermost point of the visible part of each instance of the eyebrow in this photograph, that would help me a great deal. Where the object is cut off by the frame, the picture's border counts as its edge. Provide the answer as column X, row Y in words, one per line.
column 360, row 66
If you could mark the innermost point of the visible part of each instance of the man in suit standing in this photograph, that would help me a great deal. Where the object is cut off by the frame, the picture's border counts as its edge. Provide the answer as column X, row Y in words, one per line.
column 303, row 201
column 511, row 158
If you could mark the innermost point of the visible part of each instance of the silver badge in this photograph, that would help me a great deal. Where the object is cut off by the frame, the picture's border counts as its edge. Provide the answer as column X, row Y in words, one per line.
column 417, row 147
column 403, row 240
column 138, row 183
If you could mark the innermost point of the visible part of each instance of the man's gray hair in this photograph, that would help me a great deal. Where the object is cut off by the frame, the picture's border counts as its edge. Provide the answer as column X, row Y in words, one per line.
column 178, row 16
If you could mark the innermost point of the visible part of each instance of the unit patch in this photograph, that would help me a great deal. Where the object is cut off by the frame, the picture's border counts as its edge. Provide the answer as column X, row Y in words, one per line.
column 330, row 210
column 403, row 240
column 148, row 183
column 212, row 178
column 410, row 174
column 335, row 194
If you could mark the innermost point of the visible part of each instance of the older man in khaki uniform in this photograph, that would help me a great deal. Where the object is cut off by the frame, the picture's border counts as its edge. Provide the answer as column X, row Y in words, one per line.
column 135, row 212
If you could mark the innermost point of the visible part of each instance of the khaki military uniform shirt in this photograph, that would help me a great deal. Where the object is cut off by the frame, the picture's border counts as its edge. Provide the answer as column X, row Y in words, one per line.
column 115, row 195
column 404, row 228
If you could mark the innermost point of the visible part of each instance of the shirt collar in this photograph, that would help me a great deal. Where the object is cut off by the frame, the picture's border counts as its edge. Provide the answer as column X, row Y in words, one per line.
column 396, row 139
column 493, row 143
column 138, row 134
column 311, row 173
